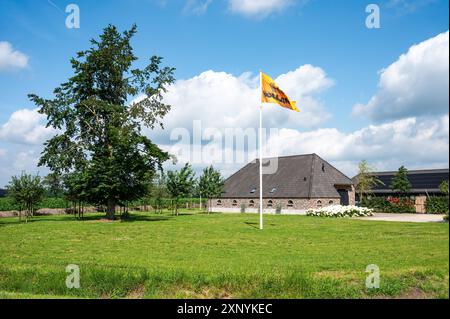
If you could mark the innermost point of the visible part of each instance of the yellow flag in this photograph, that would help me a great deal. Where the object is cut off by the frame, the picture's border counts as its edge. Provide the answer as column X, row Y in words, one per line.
column 271, row 93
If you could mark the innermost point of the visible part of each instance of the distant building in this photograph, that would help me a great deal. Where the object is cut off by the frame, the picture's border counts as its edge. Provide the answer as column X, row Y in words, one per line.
column 299, row 183
column 423, row 182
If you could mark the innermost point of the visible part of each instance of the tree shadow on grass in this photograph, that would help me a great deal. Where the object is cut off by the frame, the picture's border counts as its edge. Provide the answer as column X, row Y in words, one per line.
column 256, row 225
column 251, row 224
column 86, row 218
column 37, row 219
column 145, row 218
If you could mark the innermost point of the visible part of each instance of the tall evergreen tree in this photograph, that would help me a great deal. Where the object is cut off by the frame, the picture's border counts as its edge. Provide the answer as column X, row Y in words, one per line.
column 400, row 182
column 100, row 137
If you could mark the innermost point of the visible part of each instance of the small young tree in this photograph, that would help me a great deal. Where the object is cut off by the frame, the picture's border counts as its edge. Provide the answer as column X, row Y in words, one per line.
column 400, row 182
column 159, row 190
column 180, row 183
column 75, row 185
column 443, row 187
column 366, row 180
column 26, row 191
column 211, row 184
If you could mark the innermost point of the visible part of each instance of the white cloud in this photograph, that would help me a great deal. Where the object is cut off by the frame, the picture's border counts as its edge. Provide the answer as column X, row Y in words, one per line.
column 408, row 6
column 197, row 7
column 413, row 142
column 222, row 100
column 416, row 84
column 259, row 8
column 10, row 58
column 20, row 158
column 25, row 127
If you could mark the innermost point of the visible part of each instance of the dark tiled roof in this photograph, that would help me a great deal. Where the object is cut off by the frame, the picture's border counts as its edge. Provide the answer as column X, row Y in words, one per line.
column 422, row 181
column 299, row 176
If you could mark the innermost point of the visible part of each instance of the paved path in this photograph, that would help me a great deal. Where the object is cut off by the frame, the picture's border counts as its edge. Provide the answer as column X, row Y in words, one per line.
column 414, row 218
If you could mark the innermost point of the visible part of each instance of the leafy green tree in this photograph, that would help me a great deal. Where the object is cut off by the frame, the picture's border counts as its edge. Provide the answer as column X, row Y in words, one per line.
column 100, row 135
column 75, row 191
column 443, row 187
column 180, row 183
column 26, row 191
column 211, row 184
column 53, row 184
column 159, row 190
column 400, row 182
column 366, row 180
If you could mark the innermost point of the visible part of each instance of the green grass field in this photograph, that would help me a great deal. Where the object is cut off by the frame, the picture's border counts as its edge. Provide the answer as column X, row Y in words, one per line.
column 222, row 256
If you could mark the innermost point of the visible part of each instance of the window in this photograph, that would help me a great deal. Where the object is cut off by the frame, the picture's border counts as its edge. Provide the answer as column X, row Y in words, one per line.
column 323, row 167
column 331, row 202
column 305, row 179
column 273, row 190
column 219, row 203
column 234, row 203
column 270, row 203
column 319, row 203
column 290, row 203
column 252, row 203
column 253, row 191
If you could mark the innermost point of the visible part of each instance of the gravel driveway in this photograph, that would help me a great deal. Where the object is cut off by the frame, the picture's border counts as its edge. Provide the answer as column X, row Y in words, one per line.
column 414, row 218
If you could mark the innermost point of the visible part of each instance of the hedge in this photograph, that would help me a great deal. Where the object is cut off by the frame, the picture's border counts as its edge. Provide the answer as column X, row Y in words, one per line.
column 437, row 205
column 397, row 205
column 7, row 204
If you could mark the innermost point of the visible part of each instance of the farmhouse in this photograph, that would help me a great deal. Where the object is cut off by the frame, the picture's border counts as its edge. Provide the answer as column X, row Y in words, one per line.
column 298, row 183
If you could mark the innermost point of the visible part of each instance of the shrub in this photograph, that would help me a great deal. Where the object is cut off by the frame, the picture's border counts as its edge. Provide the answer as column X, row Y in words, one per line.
column 437, row 205
column 397, row 205
column 340, row 211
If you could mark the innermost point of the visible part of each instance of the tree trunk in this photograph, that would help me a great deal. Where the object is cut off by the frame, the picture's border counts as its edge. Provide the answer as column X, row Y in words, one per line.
column 111, row 209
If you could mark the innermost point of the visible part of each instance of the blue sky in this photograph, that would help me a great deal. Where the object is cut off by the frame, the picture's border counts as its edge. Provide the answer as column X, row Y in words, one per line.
column 235, row 38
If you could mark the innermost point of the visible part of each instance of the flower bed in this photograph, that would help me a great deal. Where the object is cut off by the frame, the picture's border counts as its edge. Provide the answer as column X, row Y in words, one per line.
column 340, row 211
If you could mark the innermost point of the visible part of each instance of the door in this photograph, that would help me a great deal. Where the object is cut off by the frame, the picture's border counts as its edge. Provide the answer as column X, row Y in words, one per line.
column 343, row 193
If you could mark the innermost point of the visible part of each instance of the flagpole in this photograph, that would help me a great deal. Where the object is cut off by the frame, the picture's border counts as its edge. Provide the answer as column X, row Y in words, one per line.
column 260, row 162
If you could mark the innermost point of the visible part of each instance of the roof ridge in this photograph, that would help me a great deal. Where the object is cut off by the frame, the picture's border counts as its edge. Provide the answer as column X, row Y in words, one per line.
column 339, row 171
column 285, row 156
column 311, row 174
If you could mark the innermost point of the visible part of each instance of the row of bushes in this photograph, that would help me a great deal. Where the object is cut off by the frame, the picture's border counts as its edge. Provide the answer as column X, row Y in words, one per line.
column 7, row 204
column 390, row 204
column 339, row 211
column 167, row 203
column 437, row 205
column 399, row 205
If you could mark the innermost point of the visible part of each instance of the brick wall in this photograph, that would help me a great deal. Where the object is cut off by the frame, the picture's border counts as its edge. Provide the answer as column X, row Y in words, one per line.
column 270, row 204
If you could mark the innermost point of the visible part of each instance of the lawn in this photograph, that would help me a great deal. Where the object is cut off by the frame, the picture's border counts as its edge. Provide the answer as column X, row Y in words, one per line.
column 222, row 256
